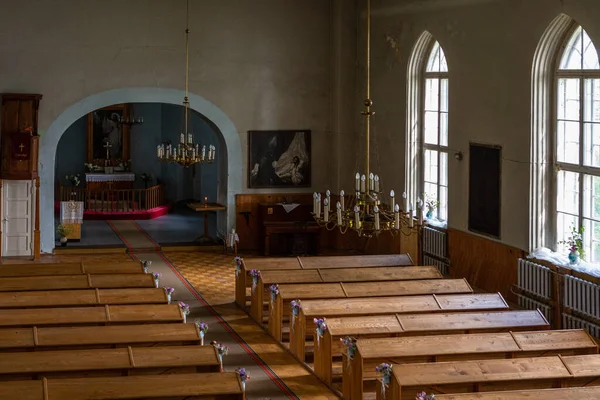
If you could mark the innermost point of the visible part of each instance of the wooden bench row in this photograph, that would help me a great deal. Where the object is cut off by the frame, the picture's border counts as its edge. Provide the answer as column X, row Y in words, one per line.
column 81, row 281
column 213, row 386
column 120, row 314
column 492, row 375
column 359, row 373
column 260, row 291
column 364, row 306
column 583, row 393
column 243, row 280
column 54, row 269
column 394, row 325
column 109, row 362
column 345, row 290
column 83, row 297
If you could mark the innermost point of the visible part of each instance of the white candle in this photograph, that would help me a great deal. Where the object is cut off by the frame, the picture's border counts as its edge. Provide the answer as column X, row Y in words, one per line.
column 420, row 210
column 363, row 183
column 203, row 152
column 411, row 222
column 397, row 216
column 314, row 202
column 377, row 183
column 339, row 213
column 342, row 194
column 326, row 212
column 356, row 217
column 371, row 181
column 319, row 204
column 392, row 199
column 357, row 182
column 158, row 151
column 376, row 210
column 182, row 138
column 405, row 201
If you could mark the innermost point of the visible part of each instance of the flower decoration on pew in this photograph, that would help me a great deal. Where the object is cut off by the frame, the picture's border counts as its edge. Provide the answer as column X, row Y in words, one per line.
column 274, row 289
column 296, row 306
column 156, row 276
column 221, row 351
column 202, row 328
column 244, row 376
column 321, row 324
column 350, row 346
column 237, row 260
column 169, row 291
column 255, row 274
column 385, row 370
column 146, row 265
column 185, row 309
column 425, row 396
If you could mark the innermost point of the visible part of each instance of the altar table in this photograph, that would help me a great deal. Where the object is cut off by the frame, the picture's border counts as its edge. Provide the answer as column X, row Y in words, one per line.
column 116, row 181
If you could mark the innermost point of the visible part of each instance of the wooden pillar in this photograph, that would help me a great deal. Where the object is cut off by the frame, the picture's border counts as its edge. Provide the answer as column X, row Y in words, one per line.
column 1, row 223
column 36, row 229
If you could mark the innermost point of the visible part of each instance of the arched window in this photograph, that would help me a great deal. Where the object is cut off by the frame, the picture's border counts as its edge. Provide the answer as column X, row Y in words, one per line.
column 434, row 135
column 577, row 142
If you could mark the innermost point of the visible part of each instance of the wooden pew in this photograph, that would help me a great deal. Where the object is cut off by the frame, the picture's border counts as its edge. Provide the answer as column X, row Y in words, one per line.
column 243, row 280
column 359, row 373
column 373, row 274
column 393, row 325
column 108, row 362
column 490, row 375
column 385, row 305
column 322, row 291
column 107, row 315
column 53, row 269
column 208, row 386
column 83, row 281
column 587, row 393
column 98, row 337
column 83, row 297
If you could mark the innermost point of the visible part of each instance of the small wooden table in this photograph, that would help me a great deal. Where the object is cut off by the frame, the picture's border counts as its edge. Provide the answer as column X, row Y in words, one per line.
column 206, row 208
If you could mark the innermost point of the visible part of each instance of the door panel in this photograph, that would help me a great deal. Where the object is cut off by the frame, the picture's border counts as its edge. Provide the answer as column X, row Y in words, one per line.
column 17, row 218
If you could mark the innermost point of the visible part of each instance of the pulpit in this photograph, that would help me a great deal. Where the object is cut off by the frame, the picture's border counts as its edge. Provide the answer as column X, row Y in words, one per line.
column 108, row 182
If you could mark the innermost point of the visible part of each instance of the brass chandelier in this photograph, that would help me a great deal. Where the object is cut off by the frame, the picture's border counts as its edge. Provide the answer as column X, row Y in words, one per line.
column 364, row 212
column 186, row 153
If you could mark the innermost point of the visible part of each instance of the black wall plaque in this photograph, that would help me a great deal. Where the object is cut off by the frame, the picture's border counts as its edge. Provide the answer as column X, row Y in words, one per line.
column 485, row 171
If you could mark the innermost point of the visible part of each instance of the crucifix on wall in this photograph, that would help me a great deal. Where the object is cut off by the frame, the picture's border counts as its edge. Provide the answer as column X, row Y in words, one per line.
column 107, row 146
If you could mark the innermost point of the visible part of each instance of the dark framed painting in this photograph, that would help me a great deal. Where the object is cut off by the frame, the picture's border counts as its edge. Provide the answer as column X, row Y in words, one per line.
column 485, row 184
column 279, row 159
column 106, row 136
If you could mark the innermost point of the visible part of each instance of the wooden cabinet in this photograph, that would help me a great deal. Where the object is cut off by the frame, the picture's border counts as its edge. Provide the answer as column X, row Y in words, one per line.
column 19, row 136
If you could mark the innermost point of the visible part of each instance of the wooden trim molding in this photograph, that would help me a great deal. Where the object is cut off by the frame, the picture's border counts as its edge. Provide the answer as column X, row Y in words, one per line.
column 1, row 223
column 36, row 229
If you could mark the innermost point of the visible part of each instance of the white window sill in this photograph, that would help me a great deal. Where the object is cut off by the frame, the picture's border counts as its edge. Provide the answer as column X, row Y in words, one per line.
column 546, row 254
column 436, row 223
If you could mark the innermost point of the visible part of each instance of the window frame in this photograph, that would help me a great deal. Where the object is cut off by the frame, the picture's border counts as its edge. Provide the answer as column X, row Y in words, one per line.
column 439, row 75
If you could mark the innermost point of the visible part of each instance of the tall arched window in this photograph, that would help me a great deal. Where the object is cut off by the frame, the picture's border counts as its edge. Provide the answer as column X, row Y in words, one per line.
column 435, row 130
column 577, row 146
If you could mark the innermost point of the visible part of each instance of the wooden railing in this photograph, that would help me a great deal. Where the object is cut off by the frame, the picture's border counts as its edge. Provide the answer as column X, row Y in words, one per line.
column 114, row 200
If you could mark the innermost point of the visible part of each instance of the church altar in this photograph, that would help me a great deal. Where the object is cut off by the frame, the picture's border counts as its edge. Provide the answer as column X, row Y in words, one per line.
column 116, row 181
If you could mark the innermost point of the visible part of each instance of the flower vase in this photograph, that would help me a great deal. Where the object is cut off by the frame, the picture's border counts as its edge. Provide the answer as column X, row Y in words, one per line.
column 243, row 386
column 202, row 338
column 156, row 283
column 221, row 361
column 169, row 298
column 385, row 381
column 574, row 257
column 429, row 214
column 184, row 318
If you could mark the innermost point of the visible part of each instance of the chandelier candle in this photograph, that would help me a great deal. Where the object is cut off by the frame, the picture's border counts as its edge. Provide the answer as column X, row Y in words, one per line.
column 392, row 199
column 342, row 194
column 339, row 211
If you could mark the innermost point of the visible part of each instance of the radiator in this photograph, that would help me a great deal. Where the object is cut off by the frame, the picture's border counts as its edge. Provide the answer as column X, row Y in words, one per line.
column 582, row 296
column 530, row 304
column 435, row 249
column 535, row 279
column 572, row 322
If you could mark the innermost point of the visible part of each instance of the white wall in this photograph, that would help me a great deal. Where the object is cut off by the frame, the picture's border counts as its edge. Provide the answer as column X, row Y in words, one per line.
column 489, row 45
column 266, row 64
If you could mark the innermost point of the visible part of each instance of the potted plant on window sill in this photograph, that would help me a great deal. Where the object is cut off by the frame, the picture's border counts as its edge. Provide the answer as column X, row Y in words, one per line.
column 63, row 231
column 575, row 245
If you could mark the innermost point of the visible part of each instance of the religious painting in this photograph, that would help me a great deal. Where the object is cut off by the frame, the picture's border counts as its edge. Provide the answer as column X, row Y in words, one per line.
column 279, row 159
column 107, row 138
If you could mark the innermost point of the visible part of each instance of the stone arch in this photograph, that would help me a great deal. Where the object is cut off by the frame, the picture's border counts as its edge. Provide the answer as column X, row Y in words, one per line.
column 542, row 89
column 230, row 162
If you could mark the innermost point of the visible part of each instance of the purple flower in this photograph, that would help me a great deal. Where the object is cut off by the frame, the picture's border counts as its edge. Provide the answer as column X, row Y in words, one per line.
column 202, row 327
column 274, row 288
column 244, row 376
column 321, row 325
column 222, row 350
column 255, row 273
column 169, row 290
column 184, row 307
column 156, row 275
column 384, row 368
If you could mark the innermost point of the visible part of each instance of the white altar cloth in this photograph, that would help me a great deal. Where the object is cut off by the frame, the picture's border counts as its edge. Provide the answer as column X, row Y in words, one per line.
column 124, row 177
column 71, row 212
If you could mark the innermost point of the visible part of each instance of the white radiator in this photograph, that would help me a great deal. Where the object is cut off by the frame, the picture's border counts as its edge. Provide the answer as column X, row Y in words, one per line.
column 535, row 279
column 530, row 304
column 571, row 322
column 435, row 249
column 582, row 296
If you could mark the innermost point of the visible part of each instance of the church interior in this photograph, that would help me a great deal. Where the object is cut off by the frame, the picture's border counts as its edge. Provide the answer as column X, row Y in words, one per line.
column 325, row 199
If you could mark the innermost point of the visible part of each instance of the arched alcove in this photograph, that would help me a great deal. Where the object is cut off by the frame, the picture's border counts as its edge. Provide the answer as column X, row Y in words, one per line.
column 230, row 160
column 542, row 81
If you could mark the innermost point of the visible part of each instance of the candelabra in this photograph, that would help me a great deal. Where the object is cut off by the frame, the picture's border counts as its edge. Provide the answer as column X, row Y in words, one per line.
column 130, row 121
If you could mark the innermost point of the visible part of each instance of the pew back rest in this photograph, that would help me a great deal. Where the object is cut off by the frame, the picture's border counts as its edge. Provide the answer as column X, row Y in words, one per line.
column 363, row 274
column 588, row 393
column 379, row 260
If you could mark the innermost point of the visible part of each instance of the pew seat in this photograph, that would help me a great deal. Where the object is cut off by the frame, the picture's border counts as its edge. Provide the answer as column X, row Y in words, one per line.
column 53, row 269
column 583, row 393
column 347, row 290
column 83, row 297
column 213, row 386
column 362, row 306
column 108, row 362
column 492, row 375
column 119, row 314
column 393, row 325
column 359, row 373
column 90, row 337
column 82, row 281
column 374, row 274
